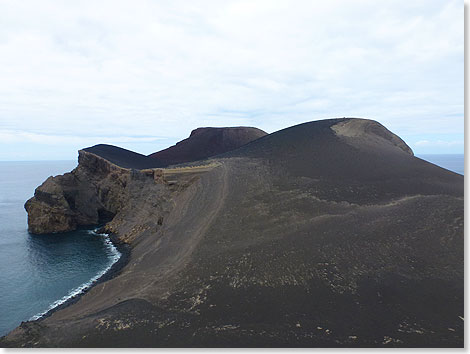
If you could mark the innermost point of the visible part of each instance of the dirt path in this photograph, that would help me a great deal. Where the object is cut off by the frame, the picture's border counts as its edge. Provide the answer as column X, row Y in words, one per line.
column 189, row 223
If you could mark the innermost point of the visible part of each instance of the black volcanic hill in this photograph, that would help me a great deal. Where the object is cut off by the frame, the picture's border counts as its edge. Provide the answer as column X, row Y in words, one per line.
column 123, row 157
column 201, row 144
column 207, row 142
column 326, row 234
column 345, row 154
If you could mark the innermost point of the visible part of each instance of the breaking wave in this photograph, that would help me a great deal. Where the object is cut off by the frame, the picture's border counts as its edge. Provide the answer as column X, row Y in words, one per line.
column 114, row 256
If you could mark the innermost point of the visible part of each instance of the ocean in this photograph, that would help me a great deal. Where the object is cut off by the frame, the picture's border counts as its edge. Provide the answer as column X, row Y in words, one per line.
column 452, row 162
column 39, row 272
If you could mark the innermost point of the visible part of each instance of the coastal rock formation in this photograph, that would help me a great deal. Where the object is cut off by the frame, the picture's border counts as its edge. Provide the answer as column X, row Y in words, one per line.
column 98, row 188
column 91, row 194
column 326, row 234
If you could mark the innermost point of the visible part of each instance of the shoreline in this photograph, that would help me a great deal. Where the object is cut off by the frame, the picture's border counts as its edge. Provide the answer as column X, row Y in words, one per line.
column 123, row 248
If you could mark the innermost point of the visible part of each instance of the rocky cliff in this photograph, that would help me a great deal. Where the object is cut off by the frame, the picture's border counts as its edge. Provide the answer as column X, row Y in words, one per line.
column 326, row 234
column 95, row 192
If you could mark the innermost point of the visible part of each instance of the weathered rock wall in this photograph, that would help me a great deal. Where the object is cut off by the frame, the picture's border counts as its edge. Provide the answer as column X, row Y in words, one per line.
column 93, row 193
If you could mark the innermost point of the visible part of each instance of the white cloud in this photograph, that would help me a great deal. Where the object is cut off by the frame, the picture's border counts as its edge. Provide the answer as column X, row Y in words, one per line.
column 148, row 68
column 25, row 137
column 439, row 143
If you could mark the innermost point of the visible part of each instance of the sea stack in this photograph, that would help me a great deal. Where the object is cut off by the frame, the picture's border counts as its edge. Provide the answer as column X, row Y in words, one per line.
column 325, row 234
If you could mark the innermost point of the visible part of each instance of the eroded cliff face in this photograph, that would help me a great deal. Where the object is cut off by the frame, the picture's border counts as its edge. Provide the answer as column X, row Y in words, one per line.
column 93, row 193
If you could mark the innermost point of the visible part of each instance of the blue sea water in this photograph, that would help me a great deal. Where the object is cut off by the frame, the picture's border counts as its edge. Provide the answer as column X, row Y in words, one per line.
column 451, row 162
column 39, row 272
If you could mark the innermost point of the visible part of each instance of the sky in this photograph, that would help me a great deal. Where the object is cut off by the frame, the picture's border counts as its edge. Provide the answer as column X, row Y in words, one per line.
column 143, row 74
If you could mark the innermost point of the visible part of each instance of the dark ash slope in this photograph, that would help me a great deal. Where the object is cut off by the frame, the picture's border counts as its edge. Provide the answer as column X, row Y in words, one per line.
column 357, row 160
column 201, row 144
column 326, row 234
column 207, row 142
column 123, row 157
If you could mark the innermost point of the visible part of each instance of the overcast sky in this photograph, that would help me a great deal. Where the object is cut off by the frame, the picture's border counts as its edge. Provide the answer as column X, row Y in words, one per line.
column 143, row 74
